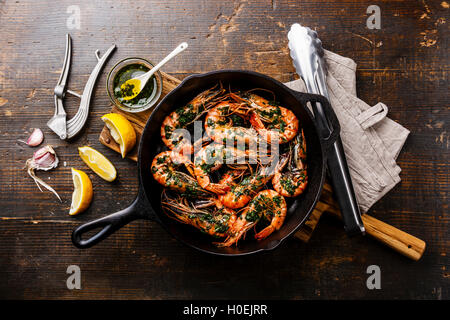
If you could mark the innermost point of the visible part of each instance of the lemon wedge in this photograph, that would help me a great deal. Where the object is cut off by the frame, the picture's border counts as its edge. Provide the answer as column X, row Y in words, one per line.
column 82, row 193
column 98, row 163
column 121, row 130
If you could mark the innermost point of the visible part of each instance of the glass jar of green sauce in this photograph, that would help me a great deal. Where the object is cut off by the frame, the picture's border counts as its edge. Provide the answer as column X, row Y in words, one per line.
column 131, row 68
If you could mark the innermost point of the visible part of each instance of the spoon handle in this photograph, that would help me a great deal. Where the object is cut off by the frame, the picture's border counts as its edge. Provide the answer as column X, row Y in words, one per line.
column 181, row 47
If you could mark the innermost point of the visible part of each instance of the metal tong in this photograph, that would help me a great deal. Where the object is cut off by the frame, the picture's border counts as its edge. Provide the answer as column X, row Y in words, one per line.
column 58, row 123
column 307, row 55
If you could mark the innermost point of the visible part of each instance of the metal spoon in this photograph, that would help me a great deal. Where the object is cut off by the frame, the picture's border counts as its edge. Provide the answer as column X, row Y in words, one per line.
column 132, row 87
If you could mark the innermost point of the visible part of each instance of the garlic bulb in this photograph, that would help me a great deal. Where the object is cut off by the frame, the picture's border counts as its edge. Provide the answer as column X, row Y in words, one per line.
column 43, row 159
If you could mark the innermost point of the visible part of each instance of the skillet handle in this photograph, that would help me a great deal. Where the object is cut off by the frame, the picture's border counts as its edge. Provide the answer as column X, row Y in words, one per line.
column 325, row 119
column 108, row 224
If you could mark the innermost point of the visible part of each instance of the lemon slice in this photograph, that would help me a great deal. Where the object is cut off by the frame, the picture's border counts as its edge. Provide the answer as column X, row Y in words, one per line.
column 82, row 193
column 121, row 130
column 98, row 163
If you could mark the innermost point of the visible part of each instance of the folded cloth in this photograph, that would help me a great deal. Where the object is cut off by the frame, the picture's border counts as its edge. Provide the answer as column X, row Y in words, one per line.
column 371, row 141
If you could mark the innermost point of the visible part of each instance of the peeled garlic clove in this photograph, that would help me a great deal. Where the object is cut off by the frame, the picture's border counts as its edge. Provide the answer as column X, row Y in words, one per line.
column 36, row 138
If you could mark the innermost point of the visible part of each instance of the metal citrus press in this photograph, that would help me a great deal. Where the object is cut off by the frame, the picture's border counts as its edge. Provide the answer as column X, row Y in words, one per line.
column 64, row 128
column 307, row 55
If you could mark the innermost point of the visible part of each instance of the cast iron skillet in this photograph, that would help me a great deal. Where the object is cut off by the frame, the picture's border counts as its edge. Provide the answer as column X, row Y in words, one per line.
column 147, row 203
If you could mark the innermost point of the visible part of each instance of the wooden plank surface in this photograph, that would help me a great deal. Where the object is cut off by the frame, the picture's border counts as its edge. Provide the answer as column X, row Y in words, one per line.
column 404, row 64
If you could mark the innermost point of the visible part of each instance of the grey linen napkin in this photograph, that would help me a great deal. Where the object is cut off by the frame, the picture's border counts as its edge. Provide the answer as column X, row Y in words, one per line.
column 371, row 141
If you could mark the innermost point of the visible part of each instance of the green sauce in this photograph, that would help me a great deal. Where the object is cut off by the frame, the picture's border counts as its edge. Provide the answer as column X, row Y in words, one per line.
column 128, row 72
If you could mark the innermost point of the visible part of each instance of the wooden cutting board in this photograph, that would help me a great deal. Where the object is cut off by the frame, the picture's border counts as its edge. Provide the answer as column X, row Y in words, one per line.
column 138, row 120
column 394, row 238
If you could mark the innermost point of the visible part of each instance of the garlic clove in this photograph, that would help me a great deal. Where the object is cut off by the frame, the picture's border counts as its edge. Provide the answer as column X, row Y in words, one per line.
column 47, row 160
column 36, row 138
column 44, row 159
column 40, row 152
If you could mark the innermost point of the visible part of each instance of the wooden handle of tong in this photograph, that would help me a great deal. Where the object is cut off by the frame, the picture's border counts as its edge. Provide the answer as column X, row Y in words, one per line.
column 402, row 242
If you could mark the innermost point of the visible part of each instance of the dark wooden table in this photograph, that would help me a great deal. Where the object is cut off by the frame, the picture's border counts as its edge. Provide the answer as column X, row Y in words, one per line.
column 405, row 64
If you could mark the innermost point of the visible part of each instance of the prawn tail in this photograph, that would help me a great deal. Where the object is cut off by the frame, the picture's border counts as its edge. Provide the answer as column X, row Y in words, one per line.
column 230, row 240
column 256, row 121
column 264, row 233
column 190, row 168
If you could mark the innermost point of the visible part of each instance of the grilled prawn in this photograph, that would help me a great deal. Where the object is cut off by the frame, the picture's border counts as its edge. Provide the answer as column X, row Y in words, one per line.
column 273, row 122
column 184, row 116
column 291, row 177
column 210, row 158
column 212, row 218
column 241, row 193
column 165, row 171
column 267, row 203
column 275, row 212
column 222, row 124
